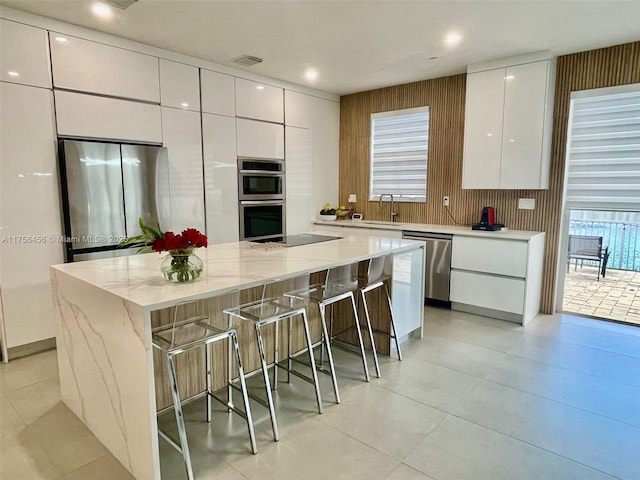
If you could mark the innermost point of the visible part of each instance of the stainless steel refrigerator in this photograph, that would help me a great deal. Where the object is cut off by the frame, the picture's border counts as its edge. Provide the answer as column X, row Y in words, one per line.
column 106, row 188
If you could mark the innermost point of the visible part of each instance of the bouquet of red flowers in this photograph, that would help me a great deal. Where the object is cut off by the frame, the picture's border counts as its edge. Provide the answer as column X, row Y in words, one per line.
column 186, row 241
column 155, row 240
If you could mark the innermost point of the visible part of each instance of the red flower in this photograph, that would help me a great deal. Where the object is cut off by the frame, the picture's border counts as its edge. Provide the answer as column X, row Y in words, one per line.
column 159, row 245
column 194, row 237
column 189, row 238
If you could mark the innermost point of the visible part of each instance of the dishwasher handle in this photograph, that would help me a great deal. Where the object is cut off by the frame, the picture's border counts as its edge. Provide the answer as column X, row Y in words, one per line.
column 425, row 235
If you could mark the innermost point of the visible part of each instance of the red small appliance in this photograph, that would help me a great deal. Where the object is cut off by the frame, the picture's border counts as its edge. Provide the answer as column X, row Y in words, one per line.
column 488, row 216
column 488, row 220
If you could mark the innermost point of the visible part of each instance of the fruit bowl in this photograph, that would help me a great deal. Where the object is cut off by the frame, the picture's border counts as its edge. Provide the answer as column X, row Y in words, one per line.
column 327, row 218
column 343, row 213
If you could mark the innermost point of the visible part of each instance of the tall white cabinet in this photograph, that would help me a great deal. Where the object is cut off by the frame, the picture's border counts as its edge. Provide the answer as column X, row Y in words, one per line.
column 182, row 136
column 508, row 120
column 29, row 213
column 322, row 118
column 220, row 178
column 298, row 179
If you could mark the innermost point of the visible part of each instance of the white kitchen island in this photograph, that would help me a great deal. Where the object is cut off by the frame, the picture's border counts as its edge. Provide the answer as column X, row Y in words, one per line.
column 104, row 310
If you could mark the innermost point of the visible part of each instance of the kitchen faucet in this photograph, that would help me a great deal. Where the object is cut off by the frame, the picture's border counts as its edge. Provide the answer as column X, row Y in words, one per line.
column 393, row 214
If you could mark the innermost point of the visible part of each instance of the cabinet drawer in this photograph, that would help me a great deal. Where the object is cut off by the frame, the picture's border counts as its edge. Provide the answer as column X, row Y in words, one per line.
column 260, row 139
column 488, row 291
column 88, row 116
column 93, row 67
column 501, row 257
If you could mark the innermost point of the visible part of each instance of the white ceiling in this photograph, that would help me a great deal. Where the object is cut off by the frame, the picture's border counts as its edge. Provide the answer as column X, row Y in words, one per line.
column 357, row 45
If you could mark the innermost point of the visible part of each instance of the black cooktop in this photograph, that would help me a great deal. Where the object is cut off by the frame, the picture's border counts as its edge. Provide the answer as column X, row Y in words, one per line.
column 296, row 240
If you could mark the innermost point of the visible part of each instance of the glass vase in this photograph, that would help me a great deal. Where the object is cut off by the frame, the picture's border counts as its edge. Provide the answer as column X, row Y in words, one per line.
column 181, row 266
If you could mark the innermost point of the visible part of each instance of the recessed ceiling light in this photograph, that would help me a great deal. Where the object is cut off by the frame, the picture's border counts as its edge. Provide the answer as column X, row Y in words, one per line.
column 509, row 77
column 260, row 87
column 453, row 38
column 311, row 74
column 101, row 10
column 13, row 74
column 61, row 39
column 184, row 104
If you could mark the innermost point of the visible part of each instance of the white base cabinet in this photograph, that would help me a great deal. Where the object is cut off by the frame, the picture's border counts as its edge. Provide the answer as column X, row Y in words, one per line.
column 29, row 214
column 497, row 277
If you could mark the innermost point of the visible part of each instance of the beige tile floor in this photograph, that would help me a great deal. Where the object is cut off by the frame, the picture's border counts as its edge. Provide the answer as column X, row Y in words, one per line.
column 475, row 399
column 615, row 297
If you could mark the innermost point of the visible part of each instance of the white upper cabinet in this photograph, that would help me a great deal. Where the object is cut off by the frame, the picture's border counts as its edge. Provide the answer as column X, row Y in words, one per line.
column 483, row 129
column 259, row 101
column 298, row 109
column 218, row 93
column 179, row 85
column 97, row 68
column 259, row 139
column 508, row 120
column 24, row 57
column 524, row 144
column 90, row 116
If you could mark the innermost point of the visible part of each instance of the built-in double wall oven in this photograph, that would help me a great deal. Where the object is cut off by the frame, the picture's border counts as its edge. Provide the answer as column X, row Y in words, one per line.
column 261, row 195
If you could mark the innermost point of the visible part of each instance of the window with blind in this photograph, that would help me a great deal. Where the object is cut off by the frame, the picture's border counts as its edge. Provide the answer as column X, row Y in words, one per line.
column 603, row 149
column 399, row 142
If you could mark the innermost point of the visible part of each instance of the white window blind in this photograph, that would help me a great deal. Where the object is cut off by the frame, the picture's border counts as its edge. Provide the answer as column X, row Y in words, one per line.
column 399, row 141
column 603, row 150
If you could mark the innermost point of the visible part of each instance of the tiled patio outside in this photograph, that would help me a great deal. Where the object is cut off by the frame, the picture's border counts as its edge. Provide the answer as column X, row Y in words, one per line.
column 615, row 297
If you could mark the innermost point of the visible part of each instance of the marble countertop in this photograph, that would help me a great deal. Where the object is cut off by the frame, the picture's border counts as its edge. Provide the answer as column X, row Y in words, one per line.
column 229, row 266
column 431, row 228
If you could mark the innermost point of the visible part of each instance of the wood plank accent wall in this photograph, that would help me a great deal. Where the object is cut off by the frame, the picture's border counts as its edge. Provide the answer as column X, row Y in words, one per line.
column 445, row 97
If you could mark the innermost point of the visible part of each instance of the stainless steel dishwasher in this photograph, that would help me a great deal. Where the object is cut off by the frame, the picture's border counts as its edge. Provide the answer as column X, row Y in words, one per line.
column 438, row 264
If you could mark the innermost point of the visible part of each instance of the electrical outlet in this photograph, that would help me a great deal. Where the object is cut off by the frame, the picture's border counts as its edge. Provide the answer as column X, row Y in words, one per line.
column 445, row 201
column 527, row 203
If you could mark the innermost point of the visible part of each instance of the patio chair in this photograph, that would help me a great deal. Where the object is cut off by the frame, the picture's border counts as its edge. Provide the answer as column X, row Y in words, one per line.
column 588, row 247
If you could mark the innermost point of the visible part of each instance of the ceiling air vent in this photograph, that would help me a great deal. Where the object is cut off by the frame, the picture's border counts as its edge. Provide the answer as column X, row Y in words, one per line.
column 246, row 60
column 122, row 4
